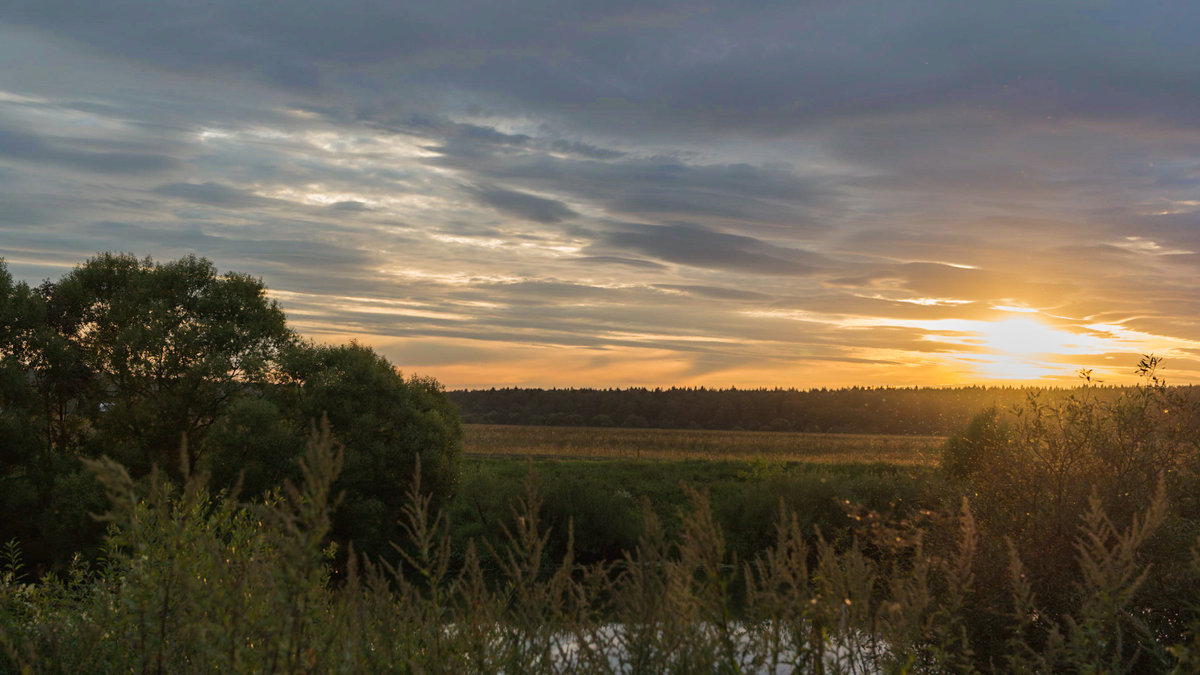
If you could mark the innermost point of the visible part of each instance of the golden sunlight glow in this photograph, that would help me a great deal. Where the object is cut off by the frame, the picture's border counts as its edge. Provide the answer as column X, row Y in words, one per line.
column 1026, row 337
column 1015, row 348
column 1021, row 348
column 1019, row 345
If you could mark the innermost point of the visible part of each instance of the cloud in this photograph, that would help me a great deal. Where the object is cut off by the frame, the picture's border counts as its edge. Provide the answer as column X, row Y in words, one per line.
column 212, row 194
column 726, row 188
column 585, row 150
column 30, row 147
column 350, row 206
column 657, row 188
column 723, row 66
column 715, row 292
column 298, row 256
column 940, row 281
column 19, row 212
column 617, row 260
column 522, row 205
column 700, row 247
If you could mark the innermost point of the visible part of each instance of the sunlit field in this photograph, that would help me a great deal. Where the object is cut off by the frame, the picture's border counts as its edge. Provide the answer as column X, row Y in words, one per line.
column 680, row 444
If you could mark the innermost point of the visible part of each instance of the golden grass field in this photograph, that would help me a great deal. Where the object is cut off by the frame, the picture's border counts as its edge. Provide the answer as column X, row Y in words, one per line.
column 678, row 444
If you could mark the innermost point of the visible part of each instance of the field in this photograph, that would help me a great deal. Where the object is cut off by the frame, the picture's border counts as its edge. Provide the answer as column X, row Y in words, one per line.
column 647, row 550
column 597, row 479
column 494, row 440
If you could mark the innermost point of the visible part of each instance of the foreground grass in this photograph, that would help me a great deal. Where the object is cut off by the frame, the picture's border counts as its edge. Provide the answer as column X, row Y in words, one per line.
column 684, row 444
column 196, row 583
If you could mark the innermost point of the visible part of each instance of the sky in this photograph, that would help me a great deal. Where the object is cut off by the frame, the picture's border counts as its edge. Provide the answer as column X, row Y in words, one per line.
column 607, row 194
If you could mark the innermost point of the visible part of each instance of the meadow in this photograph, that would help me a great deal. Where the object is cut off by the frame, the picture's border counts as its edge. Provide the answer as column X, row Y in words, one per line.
column 566, row 565
column 602, row 503
column 598, row 480
column 1048, row 539
column 496, row 440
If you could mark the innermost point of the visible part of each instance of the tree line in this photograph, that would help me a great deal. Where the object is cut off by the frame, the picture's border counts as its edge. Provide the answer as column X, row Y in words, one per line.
column 172, row 367
column 871, row 410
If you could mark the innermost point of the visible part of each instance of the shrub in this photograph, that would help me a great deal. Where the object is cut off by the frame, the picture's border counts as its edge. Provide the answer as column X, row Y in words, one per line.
column 598, row 520
column 386, row 422
column 1038, row 475
column 974, row 448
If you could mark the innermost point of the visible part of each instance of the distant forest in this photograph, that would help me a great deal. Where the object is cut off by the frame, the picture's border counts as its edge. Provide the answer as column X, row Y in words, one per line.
column 868, row 410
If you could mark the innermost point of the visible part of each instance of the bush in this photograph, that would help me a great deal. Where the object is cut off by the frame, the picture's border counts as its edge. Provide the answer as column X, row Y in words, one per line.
column 386, row 422
column 601, row 421
column 605, row 520
column 1038, row 475
column 983, row 442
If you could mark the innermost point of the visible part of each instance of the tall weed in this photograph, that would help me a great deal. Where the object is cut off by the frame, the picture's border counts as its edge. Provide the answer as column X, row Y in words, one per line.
column 195, row 582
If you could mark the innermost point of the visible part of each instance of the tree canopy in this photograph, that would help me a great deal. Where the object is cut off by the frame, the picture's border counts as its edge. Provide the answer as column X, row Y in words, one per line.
column 161, row 350
column 138, row 360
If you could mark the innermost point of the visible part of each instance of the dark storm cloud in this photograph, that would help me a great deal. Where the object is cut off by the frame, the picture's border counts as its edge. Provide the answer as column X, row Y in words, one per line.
column 521, row 204
column 700, row 247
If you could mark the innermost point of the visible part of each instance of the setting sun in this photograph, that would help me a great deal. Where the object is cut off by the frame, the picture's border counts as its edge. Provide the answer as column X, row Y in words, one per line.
column 1016, row 348
column 1027, row 337
column 1024, row 348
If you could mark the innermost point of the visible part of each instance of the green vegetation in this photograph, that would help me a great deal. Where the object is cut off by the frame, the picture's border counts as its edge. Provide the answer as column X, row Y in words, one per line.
column 1039, row 474
column 132, row 360
column 603, row 501
column 193, row 582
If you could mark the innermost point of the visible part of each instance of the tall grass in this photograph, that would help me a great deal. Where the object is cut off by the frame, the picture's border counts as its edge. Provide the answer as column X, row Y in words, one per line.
column 194, row 582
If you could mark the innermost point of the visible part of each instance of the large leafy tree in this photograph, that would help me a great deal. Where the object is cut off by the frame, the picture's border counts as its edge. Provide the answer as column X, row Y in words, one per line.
column 135, row 359
column 23, row 432
column 164, row 348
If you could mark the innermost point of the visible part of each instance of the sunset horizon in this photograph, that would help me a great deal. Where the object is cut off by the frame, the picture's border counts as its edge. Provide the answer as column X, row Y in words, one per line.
column 543, row 195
